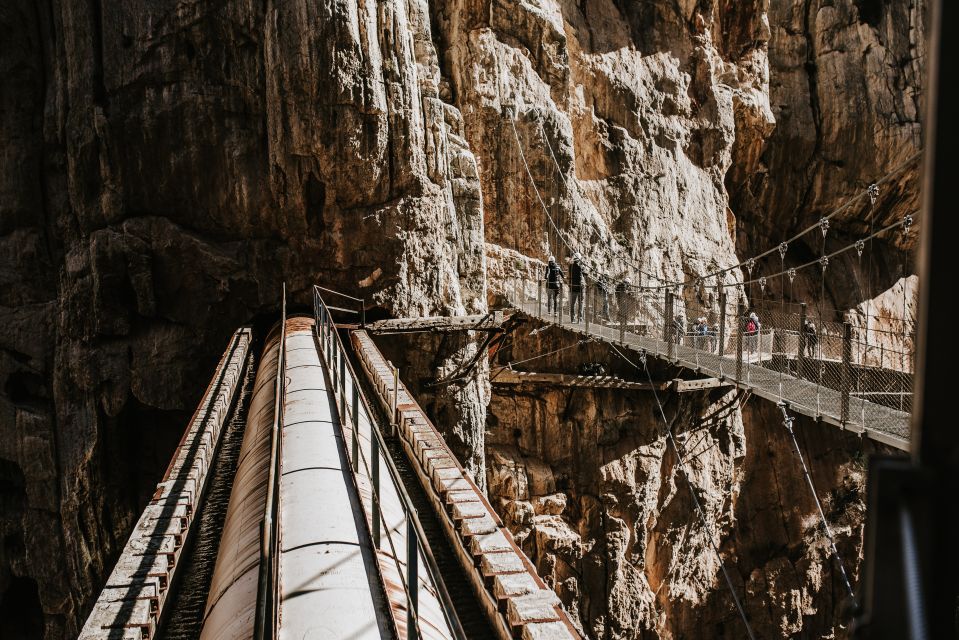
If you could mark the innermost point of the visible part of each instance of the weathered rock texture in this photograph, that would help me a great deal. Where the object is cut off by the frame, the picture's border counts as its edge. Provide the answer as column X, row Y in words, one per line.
column 628, row 116
column 589, row 484
column 845, row 89
column 165, row 167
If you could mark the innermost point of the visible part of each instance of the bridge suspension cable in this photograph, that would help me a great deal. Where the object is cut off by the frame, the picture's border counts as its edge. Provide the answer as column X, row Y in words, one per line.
column 692, row 492
column 788, row 423
column 817, row 225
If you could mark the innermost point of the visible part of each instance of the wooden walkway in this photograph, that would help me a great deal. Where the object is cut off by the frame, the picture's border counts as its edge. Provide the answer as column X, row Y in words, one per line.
column 874, row 421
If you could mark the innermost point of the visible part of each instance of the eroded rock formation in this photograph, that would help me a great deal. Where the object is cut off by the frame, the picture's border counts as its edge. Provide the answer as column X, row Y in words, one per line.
column 588, row 482
column 166, row 166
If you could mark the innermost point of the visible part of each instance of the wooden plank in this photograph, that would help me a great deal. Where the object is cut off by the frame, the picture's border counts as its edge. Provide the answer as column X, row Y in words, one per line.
column 679, row 386
column 511, row 377
column 480, row 322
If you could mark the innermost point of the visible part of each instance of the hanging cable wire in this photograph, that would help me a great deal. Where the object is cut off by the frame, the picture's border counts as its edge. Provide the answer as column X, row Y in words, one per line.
column 854, row 199
column 788, row 422
column 509, row 365
column 692, row 492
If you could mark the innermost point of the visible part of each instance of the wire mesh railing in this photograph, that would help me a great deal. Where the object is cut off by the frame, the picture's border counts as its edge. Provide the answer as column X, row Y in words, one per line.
column 787, row 352
column 391, row 515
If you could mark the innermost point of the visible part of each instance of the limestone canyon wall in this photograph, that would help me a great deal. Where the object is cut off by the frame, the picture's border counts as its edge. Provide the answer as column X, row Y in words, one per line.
column 594, row 493
column 167, row 165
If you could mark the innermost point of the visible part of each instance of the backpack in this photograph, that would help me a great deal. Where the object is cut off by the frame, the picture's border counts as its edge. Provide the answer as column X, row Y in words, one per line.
column 751, row 326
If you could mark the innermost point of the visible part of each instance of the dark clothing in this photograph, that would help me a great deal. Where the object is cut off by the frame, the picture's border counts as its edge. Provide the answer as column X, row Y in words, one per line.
column 553, row 276
column 552, row 302
column 575, row 303
column 602, row 289
column 809, row 333
column 575, row 276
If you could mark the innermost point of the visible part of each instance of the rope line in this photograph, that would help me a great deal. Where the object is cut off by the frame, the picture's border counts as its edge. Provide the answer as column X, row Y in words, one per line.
column 692, row 492
column 788, row 422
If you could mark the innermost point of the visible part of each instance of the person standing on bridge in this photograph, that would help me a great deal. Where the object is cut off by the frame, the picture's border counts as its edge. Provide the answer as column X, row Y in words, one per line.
column 622, row 299
column 752, row 332
column 576, row 288
column 811, row 338
column 554, row 277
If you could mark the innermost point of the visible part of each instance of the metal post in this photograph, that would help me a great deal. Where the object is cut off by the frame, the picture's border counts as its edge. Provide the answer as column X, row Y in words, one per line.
column 739, row 340
column 539, row 298
column 356, row 429
column 412, row 580
column 669, row 329
column 623, row 307
column 559, row 305
column 586, row 297
column 342, row 380
column 363, row 313
column 800, row 357
column 375, row 473
column 845, row 382
column 722, row 322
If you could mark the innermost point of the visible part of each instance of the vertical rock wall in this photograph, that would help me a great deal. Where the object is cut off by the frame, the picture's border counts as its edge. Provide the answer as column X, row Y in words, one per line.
column 166, row 165
column 588, row 483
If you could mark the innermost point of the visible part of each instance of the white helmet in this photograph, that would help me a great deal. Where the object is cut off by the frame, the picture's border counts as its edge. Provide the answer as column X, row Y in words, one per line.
column 552, row 258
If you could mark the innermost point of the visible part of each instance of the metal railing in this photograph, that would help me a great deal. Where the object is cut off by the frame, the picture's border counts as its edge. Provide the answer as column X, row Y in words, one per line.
column 267, row 592
column 352, row 415
column 360, row 311
column 831, row 372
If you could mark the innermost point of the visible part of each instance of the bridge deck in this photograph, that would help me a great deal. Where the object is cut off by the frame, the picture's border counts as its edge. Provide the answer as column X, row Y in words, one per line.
column 881, row 423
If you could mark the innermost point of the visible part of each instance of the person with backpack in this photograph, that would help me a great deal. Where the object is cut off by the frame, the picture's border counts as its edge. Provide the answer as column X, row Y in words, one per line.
column 811, row 338
column 752, row 332
column 576, row 288
column 554, row 277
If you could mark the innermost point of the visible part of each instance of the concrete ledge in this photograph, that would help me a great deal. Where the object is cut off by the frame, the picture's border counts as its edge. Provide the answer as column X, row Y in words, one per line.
column 131, row 604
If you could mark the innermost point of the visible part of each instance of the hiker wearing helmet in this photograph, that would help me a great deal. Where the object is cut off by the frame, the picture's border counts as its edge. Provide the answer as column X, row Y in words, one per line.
column 752, row 332
column 576, row 288
column 554, row 276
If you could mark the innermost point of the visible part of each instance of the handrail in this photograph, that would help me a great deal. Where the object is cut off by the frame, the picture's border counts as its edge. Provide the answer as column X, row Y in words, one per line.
column 324, row 327
column 267, row 611
column 362, row 310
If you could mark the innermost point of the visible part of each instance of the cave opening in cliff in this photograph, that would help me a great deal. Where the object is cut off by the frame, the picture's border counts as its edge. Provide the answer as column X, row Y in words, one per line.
column 21, row 616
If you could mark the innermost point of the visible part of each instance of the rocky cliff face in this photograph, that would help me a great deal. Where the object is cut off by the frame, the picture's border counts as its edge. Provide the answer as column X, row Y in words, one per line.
column 845, row 90
column 167, row 165
column 593, row 491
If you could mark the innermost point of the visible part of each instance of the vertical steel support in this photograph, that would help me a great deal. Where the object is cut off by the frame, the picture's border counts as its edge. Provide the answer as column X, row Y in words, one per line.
column 801, row 356
column 375, row 473
column 356, row 428
column 586, row 297
column 342, row 351
column 669, row 329
column 539, row 298
column 412, row 580
column 559, row 305
column 623, row 310
column 739, row 340
column 845, row 382
column 722, row 322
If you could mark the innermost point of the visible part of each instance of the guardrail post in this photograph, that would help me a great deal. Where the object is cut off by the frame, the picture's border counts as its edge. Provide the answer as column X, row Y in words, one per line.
column 845, row 382
column 722, row 322
column 356, row 428
column 559, row 305
column 589, row 293
column 363, row 313
column 801, row 356
column 739, row 340
column 342, row 379
column 375, row 473
column 412, row 580
column 669, row 329
column 539, row 298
